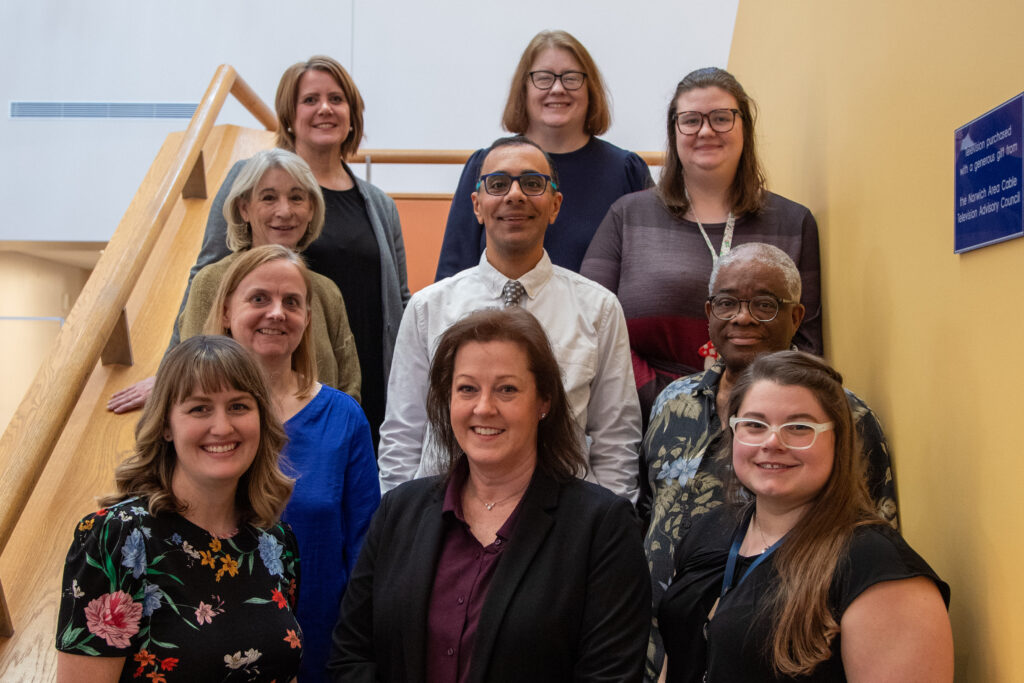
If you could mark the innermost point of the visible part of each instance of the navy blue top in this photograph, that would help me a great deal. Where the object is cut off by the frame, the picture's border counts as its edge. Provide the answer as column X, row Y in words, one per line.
column 336, row 494
column 591, row 179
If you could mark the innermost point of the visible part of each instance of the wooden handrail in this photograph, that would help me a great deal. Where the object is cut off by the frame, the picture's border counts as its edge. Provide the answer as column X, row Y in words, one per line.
column 36, row 426
column 447, row 156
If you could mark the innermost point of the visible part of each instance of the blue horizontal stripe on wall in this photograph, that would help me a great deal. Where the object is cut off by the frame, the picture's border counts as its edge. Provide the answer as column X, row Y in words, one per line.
column 103, row 110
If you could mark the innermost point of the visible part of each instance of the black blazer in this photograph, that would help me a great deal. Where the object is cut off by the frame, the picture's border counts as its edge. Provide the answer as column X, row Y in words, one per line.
column 570, row 599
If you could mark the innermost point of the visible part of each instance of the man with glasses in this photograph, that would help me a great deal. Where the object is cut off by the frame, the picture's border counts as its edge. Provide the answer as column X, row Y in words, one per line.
column 753, row 308
column 516, row 198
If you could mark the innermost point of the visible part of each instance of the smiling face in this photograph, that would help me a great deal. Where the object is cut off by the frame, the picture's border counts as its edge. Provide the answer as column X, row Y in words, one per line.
column 215, row 436
column 321, row 113
column 741, row 339
column 515, row 223
column 495, row 407
column 784, row 477
column 708, row 152
column 555, row 109
column 268, row 313
column 279, row 210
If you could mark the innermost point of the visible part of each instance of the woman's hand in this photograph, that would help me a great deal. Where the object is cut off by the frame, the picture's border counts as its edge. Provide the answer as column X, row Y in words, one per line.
column 82, row 669
column 898, row 631
column 131, row 398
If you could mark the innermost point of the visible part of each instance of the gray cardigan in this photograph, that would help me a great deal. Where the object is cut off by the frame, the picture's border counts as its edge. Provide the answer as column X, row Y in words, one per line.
column 386, row 228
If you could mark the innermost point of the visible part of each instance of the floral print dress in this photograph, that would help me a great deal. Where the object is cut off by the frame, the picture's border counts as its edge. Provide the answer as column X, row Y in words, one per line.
column 178, row 603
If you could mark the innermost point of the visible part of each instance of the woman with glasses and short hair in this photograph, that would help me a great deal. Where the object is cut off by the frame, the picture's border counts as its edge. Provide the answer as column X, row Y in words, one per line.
column 798, row 579
column 656, row 249
column 557, row 99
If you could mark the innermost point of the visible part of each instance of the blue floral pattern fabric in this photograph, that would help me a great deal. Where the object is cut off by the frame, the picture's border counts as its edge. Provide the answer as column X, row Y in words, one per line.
column 686, row 475
column 178, row 603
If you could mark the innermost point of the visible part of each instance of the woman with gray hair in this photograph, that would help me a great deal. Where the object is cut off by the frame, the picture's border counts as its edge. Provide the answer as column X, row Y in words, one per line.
column 275, row 199
column 320, row 118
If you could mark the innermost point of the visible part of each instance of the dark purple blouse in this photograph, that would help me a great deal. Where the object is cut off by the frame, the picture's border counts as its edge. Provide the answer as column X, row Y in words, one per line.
column 464, row 572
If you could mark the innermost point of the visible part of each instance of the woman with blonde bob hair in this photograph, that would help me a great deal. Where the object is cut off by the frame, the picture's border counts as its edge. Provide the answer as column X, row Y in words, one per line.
column 656, row 249
column 558, row 99
column 176, row 573
column 360, row 248
column 263, row 302
column 799, row 579
column 507, row 568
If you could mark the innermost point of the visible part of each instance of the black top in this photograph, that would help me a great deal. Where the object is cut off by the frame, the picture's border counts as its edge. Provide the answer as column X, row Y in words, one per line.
column 738, row 642
column 347, row 253
column 177, row 603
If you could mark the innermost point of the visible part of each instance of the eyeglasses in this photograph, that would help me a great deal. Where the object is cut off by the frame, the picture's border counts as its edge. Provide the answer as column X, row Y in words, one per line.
column 720, row 120
column 797, row 436
column 500, row 183
column 763, row 308
column 544, row 80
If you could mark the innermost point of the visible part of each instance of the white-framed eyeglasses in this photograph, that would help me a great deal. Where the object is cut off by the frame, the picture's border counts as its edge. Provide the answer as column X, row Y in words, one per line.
column 795, row 435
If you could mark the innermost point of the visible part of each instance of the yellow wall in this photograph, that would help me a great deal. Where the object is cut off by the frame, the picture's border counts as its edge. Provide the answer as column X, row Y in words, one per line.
column 859, row 102
column 32, row 287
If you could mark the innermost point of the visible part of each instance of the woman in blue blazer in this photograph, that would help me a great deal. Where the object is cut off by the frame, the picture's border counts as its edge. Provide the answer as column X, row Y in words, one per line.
column 508, row 567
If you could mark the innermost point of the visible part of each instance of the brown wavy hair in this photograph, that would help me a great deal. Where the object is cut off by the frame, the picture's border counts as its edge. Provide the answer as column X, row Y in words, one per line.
column 559, row 446
column 304, row 356
column 599, row 113
column 804, row 628
column 748, row 186
column 210, row 364
column 288, row 94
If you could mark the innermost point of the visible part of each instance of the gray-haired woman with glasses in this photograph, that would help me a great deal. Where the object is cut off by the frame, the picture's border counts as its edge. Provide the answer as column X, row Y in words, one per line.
column 558, row 100
column 656, row 249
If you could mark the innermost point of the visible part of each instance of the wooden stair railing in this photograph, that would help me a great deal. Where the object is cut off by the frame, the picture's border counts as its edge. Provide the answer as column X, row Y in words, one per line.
column 92, row 324
column 96, row 327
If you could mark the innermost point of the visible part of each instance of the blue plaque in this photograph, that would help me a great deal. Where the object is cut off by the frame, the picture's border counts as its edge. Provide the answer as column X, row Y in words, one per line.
column 989, row 178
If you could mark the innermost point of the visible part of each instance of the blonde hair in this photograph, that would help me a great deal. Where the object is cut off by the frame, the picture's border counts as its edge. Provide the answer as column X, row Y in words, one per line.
column 599, row 115
column 304, row 357
column 239, row 232
column 210, row 364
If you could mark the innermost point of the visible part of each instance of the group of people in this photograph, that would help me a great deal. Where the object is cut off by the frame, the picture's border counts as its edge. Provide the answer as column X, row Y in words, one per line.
column 591, row 469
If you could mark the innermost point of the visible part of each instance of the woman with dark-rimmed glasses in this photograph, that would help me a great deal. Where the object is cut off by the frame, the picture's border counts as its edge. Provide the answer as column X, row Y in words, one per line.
column 655, row 249
column 558, row 100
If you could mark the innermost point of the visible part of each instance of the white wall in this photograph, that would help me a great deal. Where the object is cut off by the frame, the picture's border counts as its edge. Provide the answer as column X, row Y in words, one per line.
column 434, row 76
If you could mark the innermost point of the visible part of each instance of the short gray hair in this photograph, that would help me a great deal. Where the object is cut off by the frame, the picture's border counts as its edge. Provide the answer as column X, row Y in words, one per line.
column 765, row 254
column 239, row 233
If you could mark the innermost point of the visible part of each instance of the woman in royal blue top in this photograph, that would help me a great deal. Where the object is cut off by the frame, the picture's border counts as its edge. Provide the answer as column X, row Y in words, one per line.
column 558, row 100
column 264, row 303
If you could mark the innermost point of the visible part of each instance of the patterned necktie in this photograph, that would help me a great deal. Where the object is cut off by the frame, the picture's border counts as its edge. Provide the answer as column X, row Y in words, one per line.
column 512, row 292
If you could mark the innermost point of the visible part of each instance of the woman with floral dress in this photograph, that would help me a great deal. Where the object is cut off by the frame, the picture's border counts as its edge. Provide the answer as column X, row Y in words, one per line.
column 187, row 574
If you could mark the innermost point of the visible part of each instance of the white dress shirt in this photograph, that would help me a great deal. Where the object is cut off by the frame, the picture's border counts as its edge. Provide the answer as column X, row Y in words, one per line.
column 587, row 331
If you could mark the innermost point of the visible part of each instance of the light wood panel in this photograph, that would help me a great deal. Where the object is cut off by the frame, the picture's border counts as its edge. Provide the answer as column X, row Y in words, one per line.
column 94, row 441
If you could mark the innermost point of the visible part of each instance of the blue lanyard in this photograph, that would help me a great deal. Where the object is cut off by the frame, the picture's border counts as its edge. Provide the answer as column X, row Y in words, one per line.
column 734, row 552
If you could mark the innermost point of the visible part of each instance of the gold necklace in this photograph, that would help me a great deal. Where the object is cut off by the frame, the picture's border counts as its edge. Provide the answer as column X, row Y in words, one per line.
column 760, row 532
column 490, row 506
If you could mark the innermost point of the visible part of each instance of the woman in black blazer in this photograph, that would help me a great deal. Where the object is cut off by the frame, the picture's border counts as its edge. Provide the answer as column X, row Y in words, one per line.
column 508, row 567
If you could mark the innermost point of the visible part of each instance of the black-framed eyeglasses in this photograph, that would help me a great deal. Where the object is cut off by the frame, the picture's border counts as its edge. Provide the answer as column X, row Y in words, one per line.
column 544, row 80
column 500, row 183
column 763, row 308
column 720, row 120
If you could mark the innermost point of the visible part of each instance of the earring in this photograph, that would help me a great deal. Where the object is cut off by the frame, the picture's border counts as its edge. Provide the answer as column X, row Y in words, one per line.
column 543, row 415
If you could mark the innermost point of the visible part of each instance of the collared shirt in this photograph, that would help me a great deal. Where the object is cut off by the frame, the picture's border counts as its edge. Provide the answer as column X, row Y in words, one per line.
column 587, row 331
column 464, row 572
column 686, row 474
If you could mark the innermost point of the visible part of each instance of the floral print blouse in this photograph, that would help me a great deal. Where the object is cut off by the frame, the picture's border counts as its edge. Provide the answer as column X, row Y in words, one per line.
column 178, row 603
